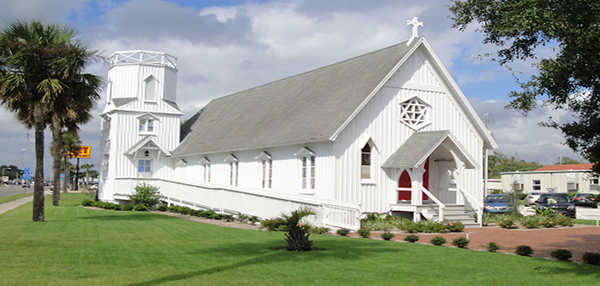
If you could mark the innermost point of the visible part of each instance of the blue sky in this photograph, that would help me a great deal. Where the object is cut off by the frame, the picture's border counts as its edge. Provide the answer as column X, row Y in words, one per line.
column 227, row 46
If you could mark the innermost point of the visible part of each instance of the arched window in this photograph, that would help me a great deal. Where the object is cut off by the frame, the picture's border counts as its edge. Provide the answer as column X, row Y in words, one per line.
column 365, row 162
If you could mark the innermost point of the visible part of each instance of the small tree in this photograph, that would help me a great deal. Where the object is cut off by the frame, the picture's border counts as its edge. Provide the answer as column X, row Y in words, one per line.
column 297, row 235
column 145, row 194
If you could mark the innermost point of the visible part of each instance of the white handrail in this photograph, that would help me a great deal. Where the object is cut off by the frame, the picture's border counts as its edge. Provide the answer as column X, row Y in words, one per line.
column 479, row 206
column 441, row 206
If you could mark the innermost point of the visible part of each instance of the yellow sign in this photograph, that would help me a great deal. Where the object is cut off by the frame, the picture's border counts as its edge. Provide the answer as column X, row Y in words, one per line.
column 84, row 153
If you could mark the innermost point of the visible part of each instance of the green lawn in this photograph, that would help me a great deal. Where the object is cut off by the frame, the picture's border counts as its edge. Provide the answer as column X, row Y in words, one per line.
column 7, row 199
column 77, row 246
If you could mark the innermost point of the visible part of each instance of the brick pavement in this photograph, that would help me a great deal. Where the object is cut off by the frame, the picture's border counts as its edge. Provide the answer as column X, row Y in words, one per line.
column 578, row 239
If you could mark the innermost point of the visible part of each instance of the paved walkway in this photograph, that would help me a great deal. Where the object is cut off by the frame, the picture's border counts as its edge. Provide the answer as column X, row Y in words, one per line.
column 14, row 204
column 578, row 239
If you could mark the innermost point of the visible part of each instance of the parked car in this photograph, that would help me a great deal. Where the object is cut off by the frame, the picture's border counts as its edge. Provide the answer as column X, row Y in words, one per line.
column 496, row 204
column 586, row 200
column 558, row 202
column 532, row 198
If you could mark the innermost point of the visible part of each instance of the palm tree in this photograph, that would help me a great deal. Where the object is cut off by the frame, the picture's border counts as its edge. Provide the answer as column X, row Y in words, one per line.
column 37, row 66
column 87, row 168
column 70, row 143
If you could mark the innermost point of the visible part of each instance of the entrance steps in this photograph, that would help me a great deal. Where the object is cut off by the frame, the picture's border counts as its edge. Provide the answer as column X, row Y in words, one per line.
column 455, row 213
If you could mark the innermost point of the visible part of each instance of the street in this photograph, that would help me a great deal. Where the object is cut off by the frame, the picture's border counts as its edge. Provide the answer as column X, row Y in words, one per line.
column 10, row 190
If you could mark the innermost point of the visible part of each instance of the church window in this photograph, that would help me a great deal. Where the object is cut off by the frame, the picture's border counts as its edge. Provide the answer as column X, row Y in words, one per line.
column 267, row 173
column 365, row 165
column 144, row 166
column 233, row 169
column 207, row 169
column 308, row 172
column 147, row 125
column 151, row 86
column 414, row 113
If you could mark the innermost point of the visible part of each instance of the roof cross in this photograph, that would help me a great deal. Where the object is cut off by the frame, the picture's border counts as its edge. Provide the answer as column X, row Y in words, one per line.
column 415, row 29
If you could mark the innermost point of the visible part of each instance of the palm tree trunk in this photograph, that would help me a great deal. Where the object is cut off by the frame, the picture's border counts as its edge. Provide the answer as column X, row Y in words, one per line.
column 56, row 147
column 38, row 188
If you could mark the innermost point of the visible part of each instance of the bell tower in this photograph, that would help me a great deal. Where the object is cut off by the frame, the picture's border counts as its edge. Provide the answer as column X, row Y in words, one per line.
column 140, row 121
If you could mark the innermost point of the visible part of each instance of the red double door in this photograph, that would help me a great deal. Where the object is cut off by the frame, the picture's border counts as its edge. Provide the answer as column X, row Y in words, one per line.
column 406, row 182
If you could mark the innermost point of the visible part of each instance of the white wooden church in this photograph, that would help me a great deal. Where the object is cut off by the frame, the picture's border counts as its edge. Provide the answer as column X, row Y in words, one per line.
column 384, row 132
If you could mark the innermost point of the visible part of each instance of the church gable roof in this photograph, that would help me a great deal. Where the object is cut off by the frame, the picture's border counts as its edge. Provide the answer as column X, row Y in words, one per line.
column 309, row 107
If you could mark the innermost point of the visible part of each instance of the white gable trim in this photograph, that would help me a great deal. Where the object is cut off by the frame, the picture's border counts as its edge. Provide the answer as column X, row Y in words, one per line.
column 376, row 90
column 304, row 152
column 140, row 144
column 148, row 115
column 263, row 156
column 204, row 161
column 182, row 163
column 231, row 158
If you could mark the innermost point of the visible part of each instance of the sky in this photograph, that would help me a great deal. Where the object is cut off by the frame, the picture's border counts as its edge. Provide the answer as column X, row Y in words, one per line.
column 228, row 46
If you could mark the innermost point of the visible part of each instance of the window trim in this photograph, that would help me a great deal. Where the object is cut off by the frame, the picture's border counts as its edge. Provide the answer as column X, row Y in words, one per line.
column 536, row 186
column 147, row 81
column 144, row 165
column 234, row 169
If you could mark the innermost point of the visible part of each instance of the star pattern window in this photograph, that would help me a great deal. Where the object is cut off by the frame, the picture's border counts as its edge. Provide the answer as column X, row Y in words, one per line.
column 414, row 113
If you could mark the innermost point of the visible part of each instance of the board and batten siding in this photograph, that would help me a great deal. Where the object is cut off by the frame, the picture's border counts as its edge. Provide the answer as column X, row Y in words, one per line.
column 287, row 169
column 379, row 121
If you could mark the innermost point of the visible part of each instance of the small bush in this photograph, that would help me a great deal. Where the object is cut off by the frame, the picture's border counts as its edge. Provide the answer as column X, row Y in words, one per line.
column 228, row 218
column 411, row 238
column 126, row 207
column 438, row 240
column 216, row 216
column 206, row 214
column 491, row 247
column 140, row 207
column 561, row 254
column 591, row 258
column 242, row 218
column 253, row 219
column 319, row 230
column 162, row 208
column 87, row 203
column 343, row 231
column 387, row 235
column 524, row 250
column 273, row 224
column 507, row 223
column 364, row 232
column 145, row 194
column 455, row 226
column 460, row 242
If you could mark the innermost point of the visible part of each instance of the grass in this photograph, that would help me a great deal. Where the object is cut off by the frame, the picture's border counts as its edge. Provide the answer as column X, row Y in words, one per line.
column 78, row 246
column 585, row 221
column 7, row 199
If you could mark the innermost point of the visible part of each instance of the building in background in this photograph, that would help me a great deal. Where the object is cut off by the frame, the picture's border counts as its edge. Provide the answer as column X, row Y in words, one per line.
column 553, row 178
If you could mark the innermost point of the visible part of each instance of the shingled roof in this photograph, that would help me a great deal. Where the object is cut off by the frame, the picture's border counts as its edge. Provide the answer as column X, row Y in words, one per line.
column 305, row 108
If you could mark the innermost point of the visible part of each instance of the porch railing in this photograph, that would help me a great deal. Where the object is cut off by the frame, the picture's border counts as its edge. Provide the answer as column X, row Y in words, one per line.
column 441, row 206
column 478, row 205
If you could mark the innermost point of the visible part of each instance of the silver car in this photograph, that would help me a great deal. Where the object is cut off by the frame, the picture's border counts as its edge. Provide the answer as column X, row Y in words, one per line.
column 532, row 198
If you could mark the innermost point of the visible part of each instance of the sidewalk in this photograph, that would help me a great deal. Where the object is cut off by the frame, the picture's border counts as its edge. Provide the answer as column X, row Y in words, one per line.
column 14, row 204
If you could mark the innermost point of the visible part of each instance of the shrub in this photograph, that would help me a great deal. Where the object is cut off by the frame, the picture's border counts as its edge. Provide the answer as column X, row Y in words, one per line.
column 565, row 221
column 228, row 218
column 491, row 246
column 455, row 226
column 253, row 219
column 162, row 208
column 318, row 230
column 460, row 242
column 364, row 232
column 126, row 207
column 140, row 207
column 524, row 250
column 273, row 224
column 343, row 231
column 145, row 194
column 507, row 223
column 561, row 254
column 216, row 216
column 438, row 240
column 531, row 222
column 87, row 202
column 411, row 238
column 242, row 218
column 296, row 235
column 387, row 235
column 591, row 258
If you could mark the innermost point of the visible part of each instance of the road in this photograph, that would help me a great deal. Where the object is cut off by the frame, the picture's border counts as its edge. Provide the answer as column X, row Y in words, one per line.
column 13, row 190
